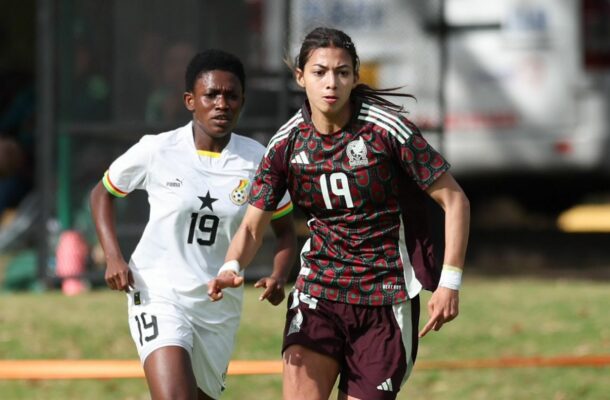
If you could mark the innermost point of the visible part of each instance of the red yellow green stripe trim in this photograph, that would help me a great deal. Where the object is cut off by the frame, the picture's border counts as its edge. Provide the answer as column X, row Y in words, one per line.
column 206, row 153
column 243, row 183
column 115, row 191
column 285, row 210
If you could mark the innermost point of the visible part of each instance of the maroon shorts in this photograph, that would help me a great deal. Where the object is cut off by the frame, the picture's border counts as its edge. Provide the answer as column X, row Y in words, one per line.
column 375, row 346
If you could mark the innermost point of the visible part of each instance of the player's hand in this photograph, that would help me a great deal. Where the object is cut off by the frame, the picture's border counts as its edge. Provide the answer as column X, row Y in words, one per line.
column 443, row 306
column 118, row 276
column 274, row 289
column 223, row 280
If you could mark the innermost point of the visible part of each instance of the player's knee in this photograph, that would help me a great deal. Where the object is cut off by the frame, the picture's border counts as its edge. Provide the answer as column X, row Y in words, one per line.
column 293, row 356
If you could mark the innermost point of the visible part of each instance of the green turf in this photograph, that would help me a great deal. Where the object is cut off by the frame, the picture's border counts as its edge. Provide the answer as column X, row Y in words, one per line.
column 499, row 318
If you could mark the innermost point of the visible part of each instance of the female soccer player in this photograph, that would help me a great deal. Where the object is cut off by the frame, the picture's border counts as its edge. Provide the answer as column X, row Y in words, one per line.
column 357, row 168
column 197, row 179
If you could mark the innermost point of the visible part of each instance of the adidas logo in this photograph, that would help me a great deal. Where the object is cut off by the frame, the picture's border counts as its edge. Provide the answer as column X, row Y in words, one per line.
column 386, row 386
column 300, row 158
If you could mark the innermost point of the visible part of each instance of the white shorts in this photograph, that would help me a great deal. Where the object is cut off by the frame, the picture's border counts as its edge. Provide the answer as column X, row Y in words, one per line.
column 205, row 329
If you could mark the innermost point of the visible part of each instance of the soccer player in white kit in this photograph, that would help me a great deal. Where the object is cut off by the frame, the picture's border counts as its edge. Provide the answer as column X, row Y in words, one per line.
column 197, row 178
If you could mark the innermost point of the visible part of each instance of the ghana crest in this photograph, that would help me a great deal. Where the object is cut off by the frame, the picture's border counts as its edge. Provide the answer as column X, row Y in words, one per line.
column 356, row 152
column 239, row 195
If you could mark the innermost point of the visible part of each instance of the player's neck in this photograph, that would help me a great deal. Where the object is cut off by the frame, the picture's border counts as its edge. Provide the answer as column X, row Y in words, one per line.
column 327, row 124
column 208, row 143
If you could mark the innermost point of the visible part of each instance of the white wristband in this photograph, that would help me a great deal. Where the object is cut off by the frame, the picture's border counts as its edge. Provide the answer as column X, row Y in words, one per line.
column 451, row 277
column 232, row 265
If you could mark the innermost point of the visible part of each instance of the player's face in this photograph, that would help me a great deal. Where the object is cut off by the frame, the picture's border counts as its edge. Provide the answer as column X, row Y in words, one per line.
column 215, row 102
column 328, row 79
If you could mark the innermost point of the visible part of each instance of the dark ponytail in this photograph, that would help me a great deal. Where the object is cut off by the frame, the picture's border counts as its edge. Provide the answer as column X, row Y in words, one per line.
column 328, row 37
column 365, row 93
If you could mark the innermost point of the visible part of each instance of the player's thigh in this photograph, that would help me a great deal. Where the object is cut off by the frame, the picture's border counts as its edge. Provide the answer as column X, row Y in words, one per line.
column 307, row 374
column 164, row 340
column 158, row 323
column 169, row 374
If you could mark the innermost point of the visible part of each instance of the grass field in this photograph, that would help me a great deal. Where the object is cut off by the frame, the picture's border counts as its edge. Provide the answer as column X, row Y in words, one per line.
column 499, row 318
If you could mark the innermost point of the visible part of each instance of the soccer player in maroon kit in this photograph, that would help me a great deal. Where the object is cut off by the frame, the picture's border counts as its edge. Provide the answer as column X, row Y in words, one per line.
column 357, row 168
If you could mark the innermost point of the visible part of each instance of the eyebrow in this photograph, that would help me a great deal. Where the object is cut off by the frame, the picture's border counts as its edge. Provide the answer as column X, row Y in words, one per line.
column 220, row 90
column 342, row 66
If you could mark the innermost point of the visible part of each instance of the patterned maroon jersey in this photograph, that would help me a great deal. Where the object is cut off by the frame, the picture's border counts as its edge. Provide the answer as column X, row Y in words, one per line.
column 349, row 184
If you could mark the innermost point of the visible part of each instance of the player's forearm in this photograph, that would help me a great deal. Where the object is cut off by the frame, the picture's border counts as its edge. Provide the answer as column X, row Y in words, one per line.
column 284, row 256
column 285, row 247
column 243, row 247
column 457, row 226
column 102, row 211
column 249, row 236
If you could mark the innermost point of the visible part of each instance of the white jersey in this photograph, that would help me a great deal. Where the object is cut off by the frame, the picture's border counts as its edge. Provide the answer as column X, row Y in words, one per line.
column 197, row 201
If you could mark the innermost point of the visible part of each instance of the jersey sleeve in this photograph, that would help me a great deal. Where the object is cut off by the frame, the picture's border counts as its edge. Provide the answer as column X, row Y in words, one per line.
column 270, row 182
column 285, row 207
column 417, row 157
column 128, row 172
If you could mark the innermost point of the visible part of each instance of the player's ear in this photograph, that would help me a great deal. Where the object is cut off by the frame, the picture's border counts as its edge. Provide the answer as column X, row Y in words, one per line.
column 189, row 101
column 298, row 76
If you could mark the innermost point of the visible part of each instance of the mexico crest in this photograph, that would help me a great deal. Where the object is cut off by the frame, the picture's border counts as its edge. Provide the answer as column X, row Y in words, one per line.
column 356, row 152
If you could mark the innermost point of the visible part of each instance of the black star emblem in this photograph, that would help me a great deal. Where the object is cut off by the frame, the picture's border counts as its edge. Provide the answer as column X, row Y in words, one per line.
column 207, row 201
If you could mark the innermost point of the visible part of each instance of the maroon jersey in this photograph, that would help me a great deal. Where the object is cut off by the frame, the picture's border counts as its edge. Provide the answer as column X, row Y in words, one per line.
column 352, row 186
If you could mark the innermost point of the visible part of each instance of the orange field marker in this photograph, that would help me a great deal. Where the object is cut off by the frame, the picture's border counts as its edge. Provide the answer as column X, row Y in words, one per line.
column 114, row 369
column 519, row 362
column 107, row 369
